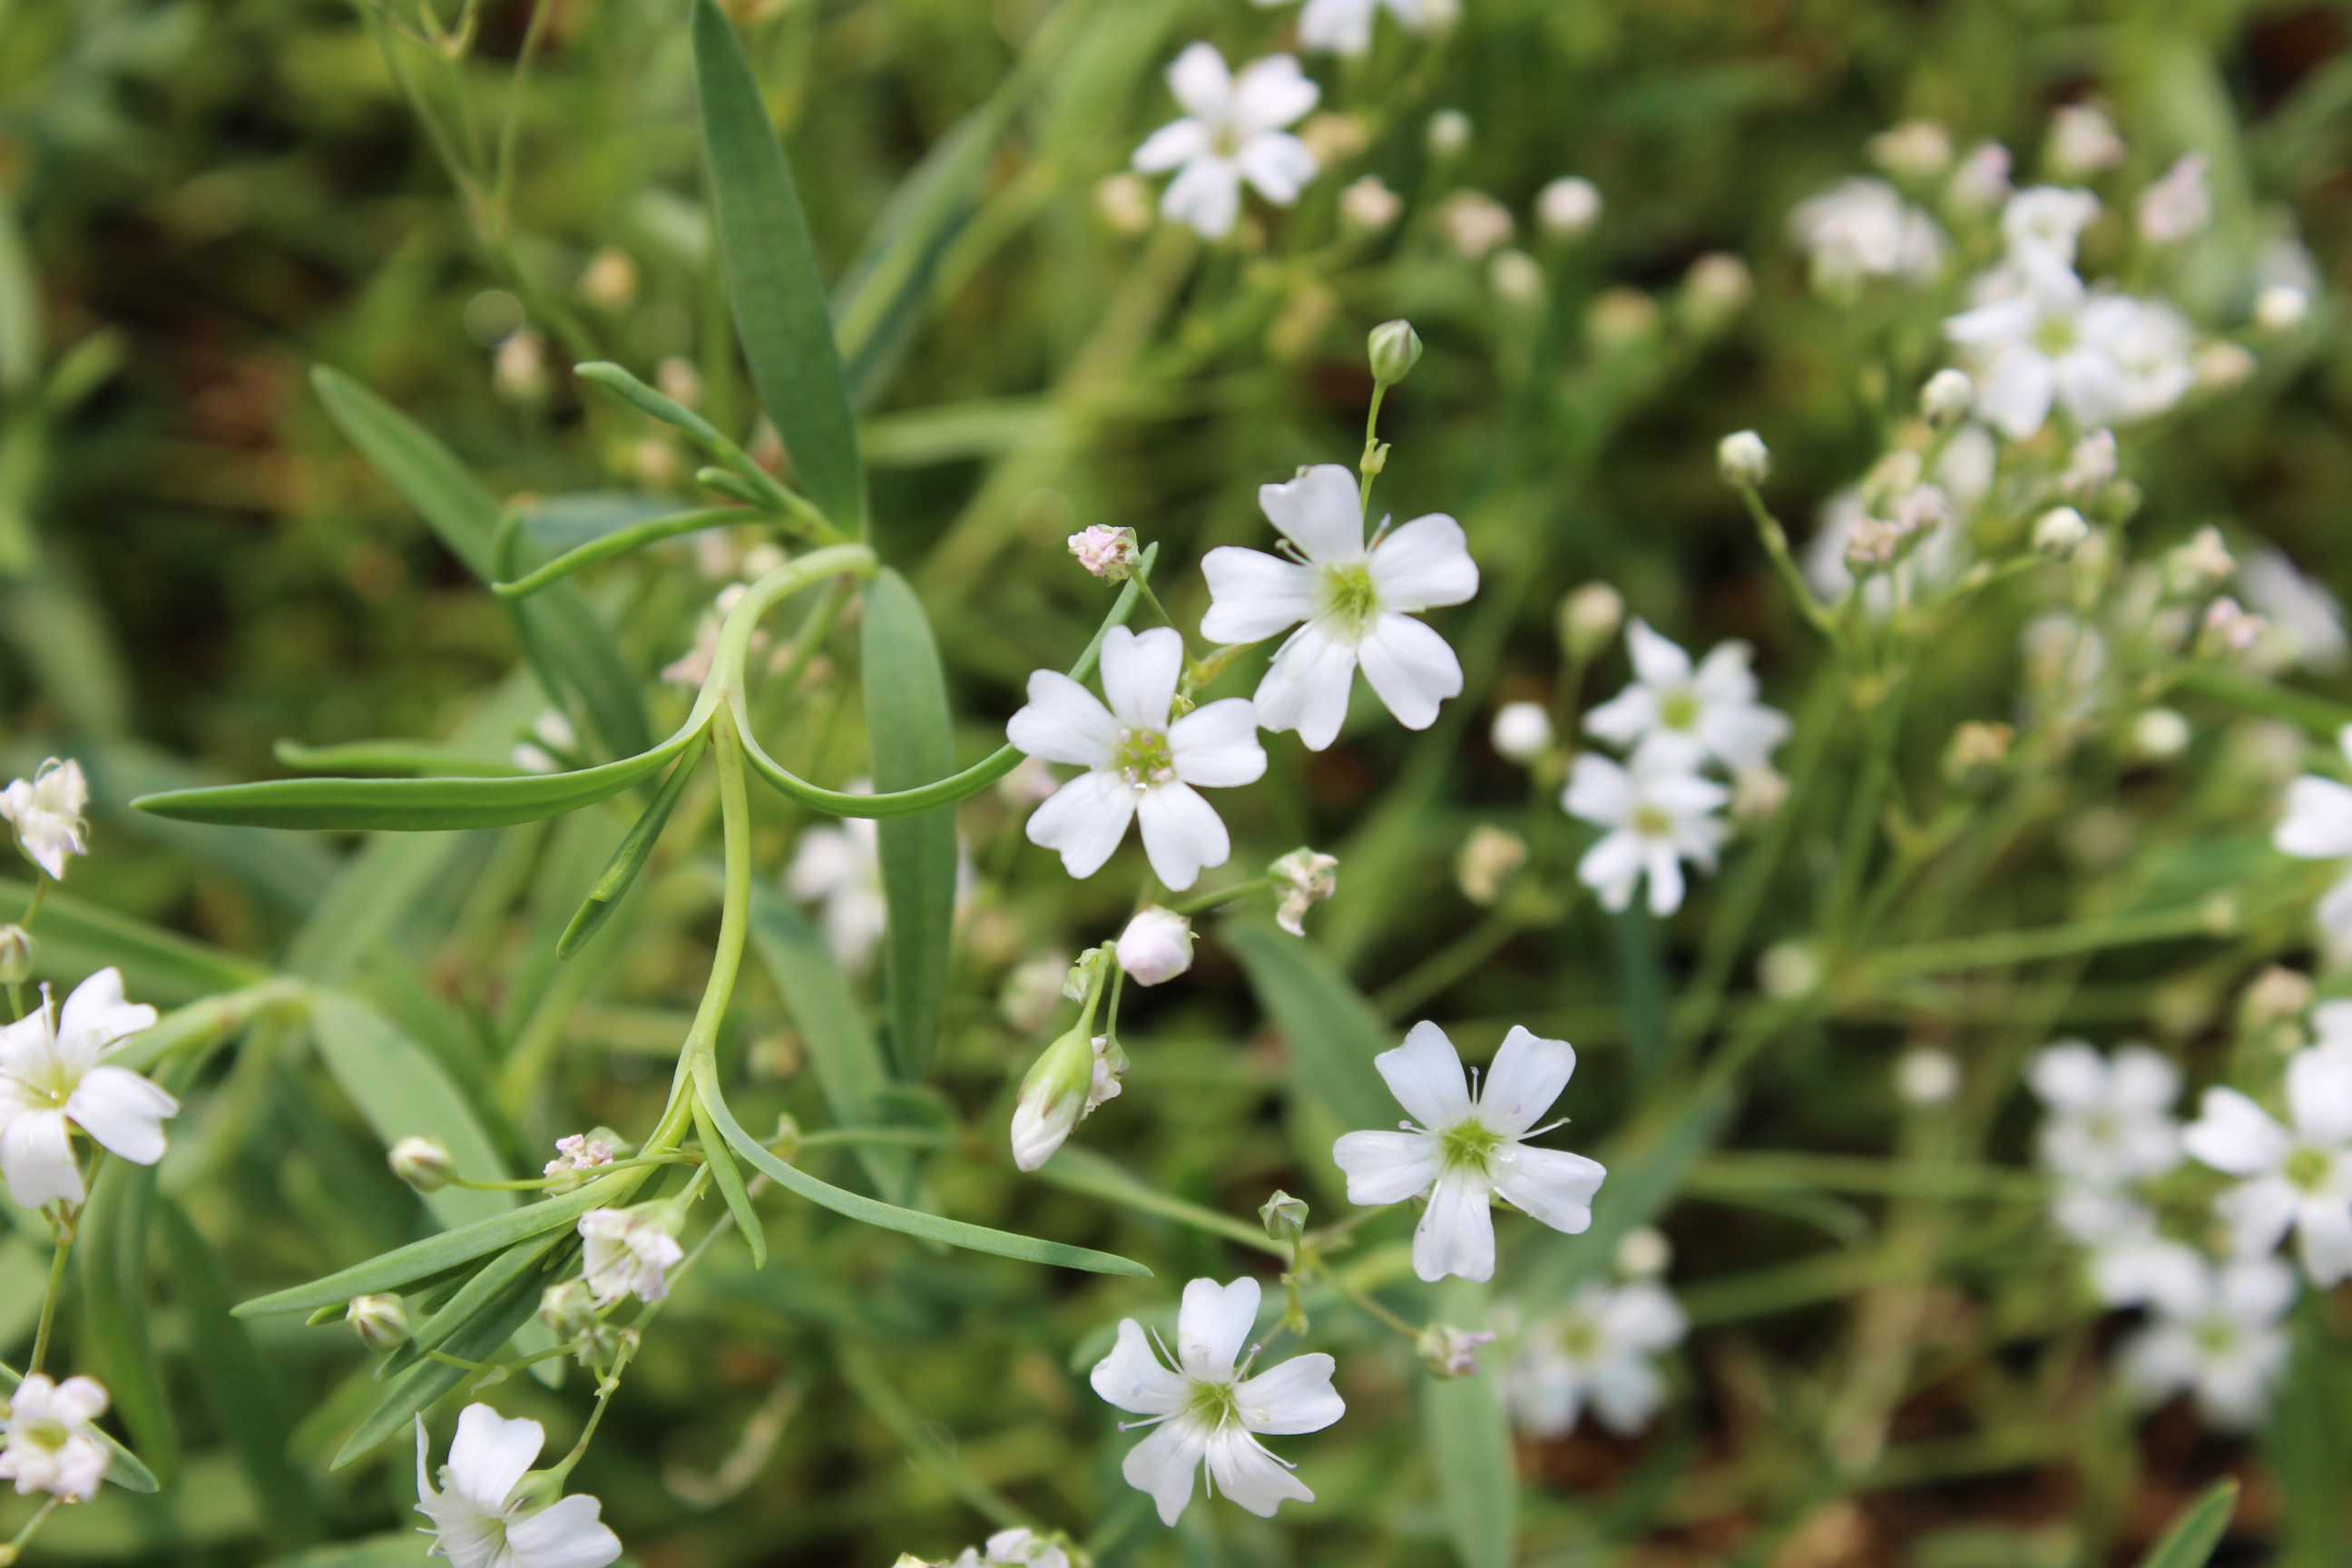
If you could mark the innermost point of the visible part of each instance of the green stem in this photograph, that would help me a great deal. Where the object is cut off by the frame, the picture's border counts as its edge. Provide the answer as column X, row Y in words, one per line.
column 1374, row 458
column 619, row 542
column 1776, row 545
column 40, row 1517
column 1200, row 903
column 534, row 1183
column 62, row 1235
column 698, row 1055
column 502, row 189
column 2004, row 948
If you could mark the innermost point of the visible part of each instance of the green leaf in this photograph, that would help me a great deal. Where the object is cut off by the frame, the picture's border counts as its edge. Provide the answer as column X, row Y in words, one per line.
column 78, row 938
column 731, row 1186
column 291, row 870
column 20, row 306
column 410, row 805
column 393, row 758
column 889, row 1216
column 580, row 649
column 239, row 1391
column 1332, row 1031
column 400, row 1090
column 772, row 278
column 124, row 1471
column 2190, row 1542
column 850, row 1070
column 630, row 857
column 911, row 738
column 110, row 1249
column 489, row 1286
column 1469, row 1436
column 429, row 1380
column 393, row 1549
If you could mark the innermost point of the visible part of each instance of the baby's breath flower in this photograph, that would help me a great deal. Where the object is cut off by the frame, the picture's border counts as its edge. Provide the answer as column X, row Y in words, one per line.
column 1370, row 205
column 1644, row 1253
column 1981, row 182
column 1925, row 1076
column 1590, row 614
column 1068, row 1082
column 55, row 1079
column 1232, row 130
column 1449, row 1351
column 2060, row 531
column 1109, row 554
column 46, row 812
column 1658, row 813
column 2296, row 1177
column 1914, row 149
column 1948, row 397
column 1345, row 27
column 1488, row 859
column 1522, row 732
column 627, row 1252
column 1567, row 207
column 2158, row 733
column 1448, row 133
column 16, row 954
column 1475, row 222
column 425, row 1163
column 2218, row 1334
column 489, row 1514
column 1394, row 348
column 379, row 1321
column 2198, row 566
column 2281, row 308
column 2221, row 365
column 1862, row 229
column 2178, row 205
column 1743, row 459
column 52, row 1445
column 1596, row 1352
column 1706, row 713
column 2083, row 140
column 1717, row 287
column 1517, row 278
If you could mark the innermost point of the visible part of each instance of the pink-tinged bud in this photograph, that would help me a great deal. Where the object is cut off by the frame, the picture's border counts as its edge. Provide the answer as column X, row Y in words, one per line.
column 1156, row 947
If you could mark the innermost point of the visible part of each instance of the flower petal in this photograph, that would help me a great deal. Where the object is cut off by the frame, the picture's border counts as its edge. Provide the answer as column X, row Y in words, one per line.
column 1599, row 791
column 1176, row 143
column 2324, row 1237
column 2236, row 1136
column 37, row 1158
column 1306, row 688
column 1656, row 661
column 1206, row 193
column 2069, row 1076
column 1182, row 834
column 1139, row 673
column 1423, row 565
column 2319, row 1096
column 1627, row 717
column 2318, row 821
column 1201, row 82
column 1666, row 870
column 2014, row 392
column 1456, row 1235
column 1613, row 866
column 1240, row 1468
column 489, row 1455
column 567, row 1534
column 1425, row 1073
column 1217, row 746
column 1320, row 512
column 1163, row 1466
column 95, row 1016
column 1411, row 668
column 1213, row 1323
column 1271, row 93
column 1296, row 1396
column 1085, row 819
column 124, row 1112
column 1385, row 1167
column 1626, row 1392
column 1528, row 1074
column 1253, row 594
column 1131, row 1377
column 1063, row 722
column 1277, row 164
column 1549, row 1184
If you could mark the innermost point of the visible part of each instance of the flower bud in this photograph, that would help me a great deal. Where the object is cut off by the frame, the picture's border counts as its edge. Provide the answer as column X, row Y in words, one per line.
column 1069, row 1079
column 2060, row 531
column 1108, row 553
column 1743, row 459
column 2083, row 140
column 1086, row 974
column 1717, row 287
column 1759, row 792
column 1395, row 350
column 1156, row 947
column 1449, row 1351
column 2221, row 365
column 1567, row 207
column 2228, row 627
column 1125, row 201
column 1301, row 880
column 1645, row 1253
column 2201, row 564
column 15, row 955
column 1449, row 133
column 379, row 1321
column 1926, row 1077
column 1517, row 278
column 1489, row 857
column 2277, row 997
column 2159, row 733
column 610, row 282
column 2281, row 308
column 629, row 1252
column 1948, row 397
column 1474, row 223
column 425, row 1163
column 1284, row 1217
column 575, row 1156
column 1914, row 149
column 1370, row 206
column 680, row 381
column 519, row 371
column 1522, row 732
column 1589, row 618
column 1977, row 753
column 2090, row 467
column 1788, row 970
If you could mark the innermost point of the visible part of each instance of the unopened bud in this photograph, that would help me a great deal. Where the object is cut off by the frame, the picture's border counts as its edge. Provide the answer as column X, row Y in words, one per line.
column 1522, row 732
column 1302, row 879
column 518, row 369
column 1977, row 753
column 1948, row 397
column 2060, row 531
column 1645, row 1253
column 1086, row 973
column 15, row 955
column 1395, row 350
column 2159, row 733
column 1449, row 1351
column 1717, row 287
column 609, row 283
column 1788, row 970
column 2221, row 365
column 425, row 1163
column 1449, row 133
column 1060, row 1087
column 2281, row 308
column 379, row 1321
column 2090, row 467
column 680, row 381
column 1589, row 619
column 1284, row 1217
column 2202, row 564
column 2228, row 627
column 1759, row 792
column 1370, row 206
column 1567, row 207
column 1926, row 1077
column 1110, row 554
column 1156, row 947
column 1743, row 459
column 2278, row 995
column 1490, row 857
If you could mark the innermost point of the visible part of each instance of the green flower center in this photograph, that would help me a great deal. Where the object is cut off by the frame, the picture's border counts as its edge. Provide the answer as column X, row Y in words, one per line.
column 2054, row 335
column 1679, row 709
column 1652, row 823
column 46, row 1434
column 1212, row 1404
column 2309, row 1168
column 1468, row 1144
column 1579, row 1340
column 2216, row 1336
column 1347, row 601
column 1143, row 758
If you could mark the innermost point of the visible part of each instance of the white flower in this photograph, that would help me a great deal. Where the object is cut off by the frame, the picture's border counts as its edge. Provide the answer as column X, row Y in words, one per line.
column 1302, row 879
column 484, row 1515
column 1658, row 816
column 1595, row 1352
column 2109, row 1119
column 2216, row 1334
column 1522, row 732
column 2305, row 614
column 52, row 1079
column 1743, row 459
column 2106, row 358
column 2130, row 1264
column 1358, row 605
column 1207, row 1410
column 2177, row 205
column 1981, row 182
column 51, row 1445
column 1925, row 1076
column 1020, row 1544
column 45, row 811
column 2317, row 826
column 2082, row 140
column 2281, row 308
column 2042, row 226
column 1471, row 1148
column 1567, row 207
column 1139, row 765
column 1862, row 228
column 623, row 1254
column 1156, row 946
column 841, row 867
column 574, row 1155
column 1232, row 131
column 1673, row 710
column 2300, row 1179
column 1345, row 27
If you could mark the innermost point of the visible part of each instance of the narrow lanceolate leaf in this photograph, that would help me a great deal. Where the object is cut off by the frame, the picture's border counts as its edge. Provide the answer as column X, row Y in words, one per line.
column 772, row 278
column 630, row 857
column 1332, row 1031
column 911, row 739
column 889, row 1216
column 429, row 1380
column 410, row 805
column 1467, row 1435
column 723, row 1171
column 850, row 1069
column 2190, row 1543
column 239, row 1393
column 465, row 515
column 401, row 1091
column 110, row 1249
column 123, row 1470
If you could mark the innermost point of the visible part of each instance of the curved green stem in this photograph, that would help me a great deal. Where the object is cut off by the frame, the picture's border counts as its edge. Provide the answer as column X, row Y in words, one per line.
column 62, row 1235
column 620, row 542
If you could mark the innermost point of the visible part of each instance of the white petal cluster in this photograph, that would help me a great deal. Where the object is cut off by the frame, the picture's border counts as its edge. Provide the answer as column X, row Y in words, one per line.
column 1345, row 27
column 1862, row 228
column 46, row 812
column 53, row 1079
column 2304, row 615
column 1470, row 1149
column 2107, row 1128
column 1140, row 765
column 484, row 1515
column 1673, row 711
column 1232, row 130
column 624, row 1254
column 1656, row 814
column 1353, row 604
column 2296, row 1177
column 1596, row 1353
column 51, row 1445
column 840, row 868
column 2317, row 826
column 1020, row 1544
column 2217, row 1334
column 1210, row 1411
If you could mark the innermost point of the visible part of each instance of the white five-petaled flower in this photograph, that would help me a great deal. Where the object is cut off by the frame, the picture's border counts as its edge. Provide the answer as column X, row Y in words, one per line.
column 1471, row 1147
column 1862, row 228
column 626, row 1253
column 51, row 1445
column 2109, row 1119
column 2217, row 1335
column 1356, row 604
column 1658, row 815
column 1207, row 1409
column 484, row 1515
column 1140, row 766
column 2318, row 827
column 1232, row 130
column 1345, row 27
column 1709, row 713
column 1595, row 1352
column 45, row 811
column 2106, row 358
column 2299, row 1179
column 53, row 1079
